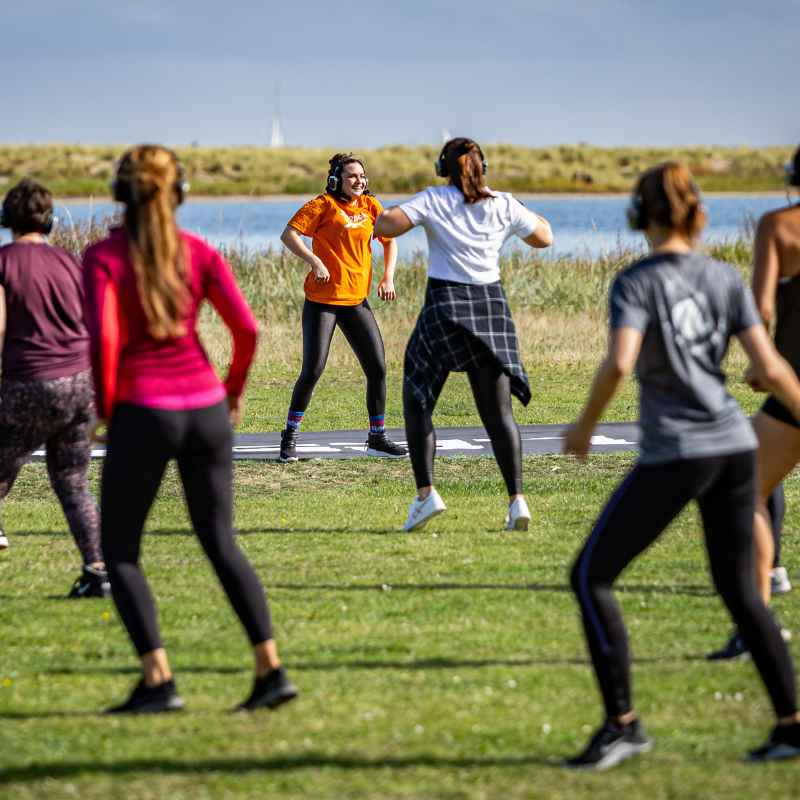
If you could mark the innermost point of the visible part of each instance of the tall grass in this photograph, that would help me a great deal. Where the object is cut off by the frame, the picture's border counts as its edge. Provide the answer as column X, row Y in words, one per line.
column 76, row 170
column 272, row 280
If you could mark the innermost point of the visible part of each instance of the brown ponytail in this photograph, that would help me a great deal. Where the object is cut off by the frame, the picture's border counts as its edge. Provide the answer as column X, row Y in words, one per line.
column 670, row 198
column 149, row 182
column 463, row 162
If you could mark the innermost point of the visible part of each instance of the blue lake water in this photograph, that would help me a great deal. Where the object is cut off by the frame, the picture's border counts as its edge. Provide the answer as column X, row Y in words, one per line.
column 581, row 224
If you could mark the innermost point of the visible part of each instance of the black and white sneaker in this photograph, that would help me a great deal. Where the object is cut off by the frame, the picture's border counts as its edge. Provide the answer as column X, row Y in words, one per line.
column 783, row 742
column 271, row 691
column 150, row 700
column 3, row 541
column 92, row 582
column 288, row 450
column 380, row 445
column 610, row 745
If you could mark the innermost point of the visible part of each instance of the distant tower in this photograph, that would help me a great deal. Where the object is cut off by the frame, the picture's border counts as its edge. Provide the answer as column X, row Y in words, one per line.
column 276, row 139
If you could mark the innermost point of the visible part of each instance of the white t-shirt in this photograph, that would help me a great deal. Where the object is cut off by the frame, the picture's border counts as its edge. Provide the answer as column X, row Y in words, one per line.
column 464, row 239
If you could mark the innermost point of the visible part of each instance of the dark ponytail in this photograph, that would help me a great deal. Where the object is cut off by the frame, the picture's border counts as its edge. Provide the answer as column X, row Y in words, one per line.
column 464, row 164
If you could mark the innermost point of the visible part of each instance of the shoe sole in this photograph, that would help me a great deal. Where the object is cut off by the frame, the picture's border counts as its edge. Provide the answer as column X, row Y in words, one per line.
column 424, row 521
column 381, row 454
column 619, row 754
column 175, row 704
column 287, row 694
column 780, row 752
column 4, row 544
column 288, row 460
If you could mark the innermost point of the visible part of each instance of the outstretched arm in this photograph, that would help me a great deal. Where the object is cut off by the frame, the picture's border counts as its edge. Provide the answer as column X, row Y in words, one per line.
column 623, row 350
column 392, row 222
column 769, row 371
column 766, row 269
column 542, row 236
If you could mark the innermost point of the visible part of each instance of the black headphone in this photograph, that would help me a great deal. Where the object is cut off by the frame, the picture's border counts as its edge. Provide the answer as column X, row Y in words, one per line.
column 124, row 191
column 335, row 178
column 440, row 165
column 792, row 170
column 46, row 227
column 637, row 217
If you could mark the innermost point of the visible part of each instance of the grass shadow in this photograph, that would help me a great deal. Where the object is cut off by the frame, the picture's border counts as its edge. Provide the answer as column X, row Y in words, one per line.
column 289, row 763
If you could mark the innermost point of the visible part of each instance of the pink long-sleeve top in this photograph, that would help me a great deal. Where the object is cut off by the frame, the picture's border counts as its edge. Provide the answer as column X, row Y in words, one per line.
column 128, row 364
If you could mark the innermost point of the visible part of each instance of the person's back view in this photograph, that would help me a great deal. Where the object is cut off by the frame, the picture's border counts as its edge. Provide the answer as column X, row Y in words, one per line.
column 162, row 400
column 46, row 394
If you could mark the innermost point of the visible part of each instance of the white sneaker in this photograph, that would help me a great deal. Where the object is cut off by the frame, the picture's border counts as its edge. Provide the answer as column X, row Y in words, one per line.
column 420, row 511
column 518, row 515
column 780, row 581
column 3, row 541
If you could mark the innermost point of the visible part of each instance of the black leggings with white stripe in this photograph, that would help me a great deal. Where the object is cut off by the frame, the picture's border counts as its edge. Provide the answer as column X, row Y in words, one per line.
column 141, row 442
column 643, row 505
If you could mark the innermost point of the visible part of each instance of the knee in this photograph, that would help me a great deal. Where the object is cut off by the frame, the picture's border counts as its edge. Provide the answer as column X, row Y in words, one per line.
column 310, row 374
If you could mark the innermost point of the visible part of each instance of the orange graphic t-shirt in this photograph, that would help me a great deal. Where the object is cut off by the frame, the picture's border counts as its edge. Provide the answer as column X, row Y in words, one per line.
column 341, row 236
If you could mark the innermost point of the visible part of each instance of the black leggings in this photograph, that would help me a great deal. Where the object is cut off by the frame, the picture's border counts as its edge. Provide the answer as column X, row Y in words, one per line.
column 643, row 505
column 491, row 388
column 359, row 327
column 776, row 506
column 140, row 443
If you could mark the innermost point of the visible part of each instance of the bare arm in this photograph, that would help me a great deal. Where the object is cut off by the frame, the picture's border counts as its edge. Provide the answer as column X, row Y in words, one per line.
column 769, row 371
column 542, row 236
column 623, row 350
column 386, row 290
column 392, row 222
column 766, row 269
column 295, row 244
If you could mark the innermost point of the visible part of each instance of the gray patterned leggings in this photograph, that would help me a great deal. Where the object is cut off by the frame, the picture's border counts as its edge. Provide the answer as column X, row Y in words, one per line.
column 56, row 413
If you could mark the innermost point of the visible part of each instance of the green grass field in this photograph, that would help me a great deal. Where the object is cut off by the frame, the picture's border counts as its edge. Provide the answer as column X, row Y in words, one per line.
column 443, row 664
column 447, row 663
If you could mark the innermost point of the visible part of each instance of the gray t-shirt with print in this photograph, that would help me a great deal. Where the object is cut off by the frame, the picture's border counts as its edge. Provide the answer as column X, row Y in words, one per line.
column 687, row 307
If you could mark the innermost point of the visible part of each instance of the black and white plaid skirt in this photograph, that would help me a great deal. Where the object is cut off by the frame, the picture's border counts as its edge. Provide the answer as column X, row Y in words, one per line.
column 462, row 326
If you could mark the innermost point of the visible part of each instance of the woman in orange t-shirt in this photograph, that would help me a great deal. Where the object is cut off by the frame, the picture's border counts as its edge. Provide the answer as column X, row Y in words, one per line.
column 340, row 224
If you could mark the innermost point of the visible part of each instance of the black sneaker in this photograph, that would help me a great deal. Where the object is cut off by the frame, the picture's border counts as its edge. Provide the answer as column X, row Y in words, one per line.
column 92, row 582
column 611, row 744
column 379, row 444
column 271, row 691
column 734, row 648
column 150, row 700
column 783, row 742
column 288, row 446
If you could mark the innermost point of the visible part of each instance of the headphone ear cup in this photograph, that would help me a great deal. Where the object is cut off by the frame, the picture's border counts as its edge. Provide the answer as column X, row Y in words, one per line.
column 50, row 220
column 333, row 183
column 440, row 165
column 637, row 219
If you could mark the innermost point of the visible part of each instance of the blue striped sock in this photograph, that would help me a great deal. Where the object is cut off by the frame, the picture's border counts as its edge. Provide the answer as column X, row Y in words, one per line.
column 376, row 424
column 294, row 420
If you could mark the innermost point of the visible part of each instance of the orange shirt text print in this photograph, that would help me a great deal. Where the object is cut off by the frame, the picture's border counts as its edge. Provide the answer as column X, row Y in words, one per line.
column 341, row 236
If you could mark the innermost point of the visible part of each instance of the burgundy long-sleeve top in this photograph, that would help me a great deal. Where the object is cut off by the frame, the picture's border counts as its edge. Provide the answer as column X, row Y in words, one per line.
column 128, row 364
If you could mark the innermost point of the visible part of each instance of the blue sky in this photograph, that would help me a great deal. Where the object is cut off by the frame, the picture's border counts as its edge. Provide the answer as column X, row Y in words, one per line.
column 368, row 74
